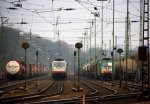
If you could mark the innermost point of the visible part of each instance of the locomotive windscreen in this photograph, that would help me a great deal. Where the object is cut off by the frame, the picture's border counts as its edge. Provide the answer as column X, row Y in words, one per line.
column 59, row 64
column 106, row 65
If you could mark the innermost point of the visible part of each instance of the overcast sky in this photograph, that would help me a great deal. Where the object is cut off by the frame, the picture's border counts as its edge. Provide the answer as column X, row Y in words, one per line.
column 43, row 15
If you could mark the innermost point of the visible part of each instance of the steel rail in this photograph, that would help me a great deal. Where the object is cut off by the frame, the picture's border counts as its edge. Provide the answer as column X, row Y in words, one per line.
column 17, row 98
column 32, row 96
column 114, row 91
column 94, row 92
column 89, row 99
column 11, row 87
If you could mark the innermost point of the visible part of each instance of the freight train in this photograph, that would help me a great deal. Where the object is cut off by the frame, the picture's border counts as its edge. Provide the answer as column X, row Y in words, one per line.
column 102, row 69
column 59, row 68
column 15, row 70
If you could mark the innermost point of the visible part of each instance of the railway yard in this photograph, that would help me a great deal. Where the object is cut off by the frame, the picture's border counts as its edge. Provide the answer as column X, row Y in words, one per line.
column 61, row 91
column 74, row 52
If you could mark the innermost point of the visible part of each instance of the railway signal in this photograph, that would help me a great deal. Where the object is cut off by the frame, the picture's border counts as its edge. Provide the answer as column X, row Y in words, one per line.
column 78, row 46
column 132, row 57
column 121, row 72
column 37, row 53
column 25, row 46
column 74, row 66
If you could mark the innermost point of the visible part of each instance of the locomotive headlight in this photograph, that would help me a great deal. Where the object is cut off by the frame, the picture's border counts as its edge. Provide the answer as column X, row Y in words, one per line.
column 109, row 64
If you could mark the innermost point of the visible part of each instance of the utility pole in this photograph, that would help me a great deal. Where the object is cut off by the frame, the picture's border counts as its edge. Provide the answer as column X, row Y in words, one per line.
column 95, row 15
column 129, row 36
column 140, row 36
column 141, row 23
column 116, row 41
column 95, row 35
column 2, row 39
column 105, row 50
column 37, row 63
column 87, row 46
column 127, row 40
column 91, row 25
column 116, row 46
column 84, row 47
column 110, row 48
column 102, row 28
column 113, row 42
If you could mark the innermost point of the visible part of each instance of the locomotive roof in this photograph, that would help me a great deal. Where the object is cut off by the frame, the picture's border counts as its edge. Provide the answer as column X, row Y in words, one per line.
column 105, row 58
column 59, row 59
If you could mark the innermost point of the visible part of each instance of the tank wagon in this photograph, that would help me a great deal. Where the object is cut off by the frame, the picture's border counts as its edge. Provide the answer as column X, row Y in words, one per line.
column 15, row 70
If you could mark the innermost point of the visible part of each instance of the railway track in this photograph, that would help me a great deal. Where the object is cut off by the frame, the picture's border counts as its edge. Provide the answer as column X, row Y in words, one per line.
column 47, row 92
column 17, row 85
column 89, row 100
column 3, row 81
column 92, row 98
column 10, row 87
column 101, row 90
column 56, row 89
column 130, row 86
column 94, row 90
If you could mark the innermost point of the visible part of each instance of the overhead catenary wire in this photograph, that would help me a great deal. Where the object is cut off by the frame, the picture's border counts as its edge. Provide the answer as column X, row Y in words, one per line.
column 31, row 15
column 72, row 19
column 96, row 6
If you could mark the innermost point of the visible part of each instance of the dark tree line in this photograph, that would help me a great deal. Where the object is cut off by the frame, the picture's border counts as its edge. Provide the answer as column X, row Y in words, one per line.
column 10, row 48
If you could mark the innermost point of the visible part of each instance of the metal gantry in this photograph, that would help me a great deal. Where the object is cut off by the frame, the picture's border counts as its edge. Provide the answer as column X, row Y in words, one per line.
column 145, row 45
